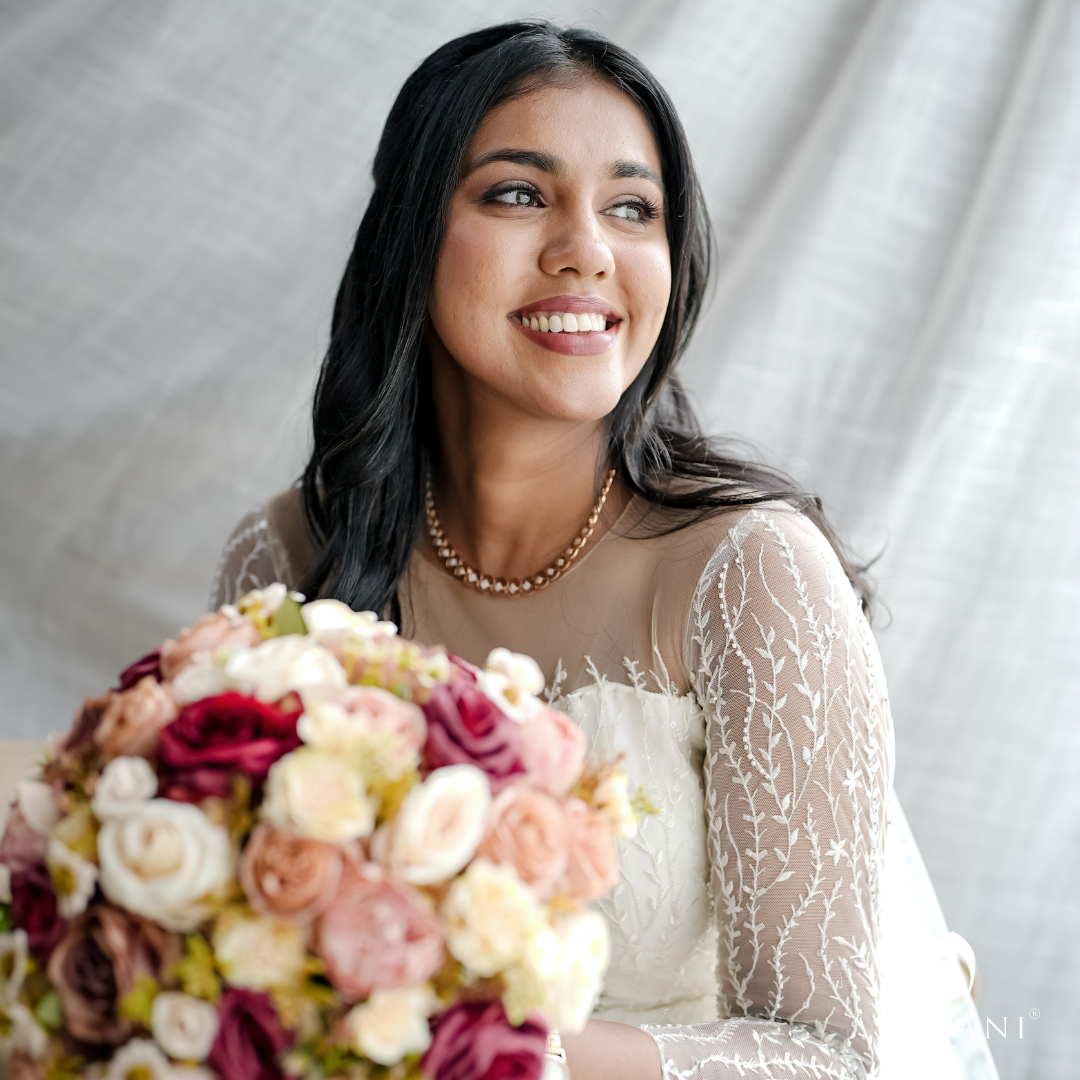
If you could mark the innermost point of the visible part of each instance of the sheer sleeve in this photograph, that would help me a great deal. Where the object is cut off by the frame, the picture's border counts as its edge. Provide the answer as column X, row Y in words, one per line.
column 247, row 561
column 798, row 772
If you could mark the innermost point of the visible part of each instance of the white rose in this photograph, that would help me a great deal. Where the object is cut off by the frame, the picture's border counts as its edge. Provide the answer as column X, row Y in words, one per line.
column 260, row 952
column 612, row 798
column 512, row 681
column 25, row 1033
column 438, row 827
column 329, row 619
column 183, row 1026
column 140, row 1059
column 319, row 795
column 74, row 878
column 124, row 785
column 492, row 917
column 391, row 1024
column 14, row 952
column 162, row 860
column 270, row 670
column 37, row 802
column 202, row 678
column 268, row 599
column 570, row 960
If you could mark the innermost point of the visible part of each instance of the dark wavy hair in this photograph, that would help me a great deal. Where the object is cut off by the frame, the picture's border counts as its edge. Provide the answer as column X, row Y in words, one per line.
column 374, row 431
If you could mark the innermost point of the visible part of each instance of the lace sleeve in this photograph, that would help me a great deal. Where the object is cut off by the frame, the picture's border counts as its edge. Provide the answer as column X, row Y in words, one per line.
column 798, row 774
column 247, row 561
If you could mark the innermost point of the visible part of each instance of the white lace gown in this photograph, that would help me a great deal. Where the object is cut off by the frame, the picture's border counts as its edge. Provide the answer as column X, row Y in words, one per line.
column 774, row 918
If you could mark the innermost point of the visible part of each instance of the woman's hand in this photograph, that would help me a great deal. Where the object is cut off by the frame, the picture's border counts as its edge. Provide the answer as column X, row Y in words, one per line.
column 609, row 1051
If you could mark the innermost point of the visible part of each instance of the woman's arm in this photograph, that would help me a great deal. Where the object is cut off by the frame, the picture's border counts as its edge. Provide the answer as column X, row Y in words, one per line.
column 246, row 561
column 798, row 772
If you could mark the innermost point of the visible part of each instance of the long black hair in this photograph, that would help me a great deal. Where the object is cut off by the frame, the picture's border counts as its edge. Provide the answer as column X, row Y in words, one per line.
column 374, row 431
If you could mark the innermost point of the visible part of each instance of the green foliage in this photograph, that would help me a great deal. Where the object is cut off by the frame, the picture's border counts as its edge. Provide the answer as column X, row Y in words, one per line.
column 48, row 1011
column 197, row 971
column 287, row 619
column 138, row 1002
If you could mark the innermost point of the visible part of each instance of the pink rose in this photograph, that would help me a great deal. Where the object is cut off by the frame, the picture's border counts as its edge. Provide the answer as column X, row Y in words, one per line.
column 467, row 728
column 473, row 1040
column 22, row 846
column 554, row 750
column 211, row 739
column 150, row 664
column 130, row 724
column 289, row 876
column 592, row 867
column 100, row 959
column 208, row 634
column 250, row 1038
column 376, row 935
column 383, row 712
column 527, row 829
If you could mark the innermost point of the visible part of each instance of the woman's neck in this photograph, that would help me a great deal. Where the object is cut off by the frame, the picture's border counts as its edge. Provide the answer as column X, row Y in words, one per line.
column 512, row 489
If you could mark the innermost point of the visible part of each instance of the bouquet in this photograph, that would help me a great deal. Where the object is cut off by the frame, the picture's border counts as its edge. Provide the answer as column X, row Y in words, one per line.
column 291, row 842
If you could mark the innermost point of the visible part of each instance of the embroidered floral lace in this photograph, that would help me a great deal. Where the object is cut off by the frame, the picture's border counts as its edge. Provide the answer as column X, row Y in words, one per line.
column 730, row 664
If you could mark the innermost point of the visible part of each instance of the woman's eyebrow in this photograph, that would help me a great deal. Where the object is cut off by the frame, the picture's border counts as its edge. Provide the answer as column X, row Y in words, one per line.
column 626, row 170
column 535, row 159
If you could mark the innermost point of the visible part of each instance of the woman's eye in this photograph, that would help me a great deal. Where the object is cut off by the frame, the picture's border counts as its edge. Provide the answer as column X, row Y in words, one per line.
column 517, row 197
column 632, row 211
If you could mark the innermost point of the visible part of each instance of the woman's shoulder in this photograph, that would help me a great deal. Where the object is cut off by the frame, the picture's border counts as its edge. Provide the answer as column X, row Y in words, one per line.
column 270, row 543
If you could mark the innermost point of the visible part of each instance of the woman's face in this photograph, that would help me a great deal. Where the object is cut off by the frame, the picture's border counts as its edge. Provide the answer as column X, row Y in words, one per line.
column 559, row 212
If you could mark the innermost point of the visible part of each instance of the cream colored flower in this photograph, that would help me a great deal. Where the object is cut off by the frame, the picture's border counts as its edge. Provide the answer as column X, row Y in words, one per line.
column 318, row 795
column 570, row 960
column 330, row 619
column 124, row 785
column 258, row 952
column 492, row 917
column 14, row 952
column 391, row 1024
column 24, row 1033
column 612, row 798
column 37, row 801
column 74, row 878
column 512, row 681
column 163, row 860
column 270, row 670
column 202, row 678
column 438, row 827
column 140, row 1059
column 183, row 1026
column 268, row 600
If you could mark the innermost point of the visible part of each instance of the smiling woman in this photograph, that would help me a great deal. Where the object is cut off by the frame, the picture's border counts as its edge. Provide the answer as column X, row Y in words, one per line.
column 500, row 367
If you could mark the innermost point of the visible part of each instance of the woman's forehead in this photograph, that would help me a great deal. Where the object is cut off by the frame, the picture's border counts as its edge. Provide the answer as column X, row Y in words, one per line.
column 586, row 123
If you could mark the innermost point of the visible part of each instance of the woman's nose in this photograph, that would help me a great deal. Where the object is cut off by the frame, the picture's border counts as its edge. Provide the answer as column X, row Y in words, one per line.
column 577, row 246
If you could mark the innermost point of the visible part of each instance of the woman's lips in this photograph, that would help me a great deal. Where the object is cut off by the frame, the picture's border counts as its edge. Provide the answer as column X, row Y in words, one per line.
column 592, row 343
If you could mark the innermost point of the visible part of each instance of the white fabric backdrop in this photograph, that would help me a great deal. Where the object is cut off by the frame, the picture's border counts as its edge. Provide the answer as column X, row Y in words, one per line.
column 896, row 193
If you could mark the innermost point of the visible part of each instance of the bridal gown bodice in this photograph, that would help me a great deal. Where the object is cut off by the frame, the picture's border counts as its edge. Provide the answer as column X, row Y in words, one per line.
column 731, row 667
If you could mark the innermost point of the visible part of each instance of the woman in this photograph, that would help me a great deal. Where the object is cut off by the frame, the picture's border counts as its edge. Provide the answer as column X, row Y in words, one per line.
column 502, row 456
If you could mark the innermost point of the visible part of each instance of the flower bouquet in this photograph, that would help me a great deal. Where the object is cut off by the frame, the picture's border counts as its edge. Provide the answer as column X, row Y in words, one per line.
column 294, row 843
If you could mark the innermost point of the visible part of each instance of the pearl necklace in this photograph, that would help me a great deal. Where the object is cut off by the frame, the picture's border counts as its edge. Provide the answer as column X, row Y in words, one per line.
column 501, row 586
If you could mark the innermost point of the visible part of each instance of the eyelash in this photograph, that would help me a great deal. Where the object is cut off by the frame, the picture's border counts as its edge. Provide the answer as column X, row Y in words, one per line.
column 649, row 210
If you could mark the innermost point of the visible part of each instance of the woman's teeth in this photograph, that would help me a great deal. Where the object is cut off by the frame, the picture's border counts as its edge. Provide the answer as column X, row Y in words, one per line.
column 563, row 322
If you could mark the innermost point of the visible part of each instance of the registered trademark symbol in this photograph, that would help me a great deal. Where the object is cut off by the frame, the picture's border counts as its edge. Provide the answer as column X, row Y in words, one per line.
column 1034, row 1014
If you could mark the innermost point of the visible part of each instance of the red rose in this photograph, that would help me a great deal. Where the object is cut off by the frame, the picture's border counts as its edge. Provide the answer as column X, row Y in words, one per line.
column 250, row 1038
column 473, row 1040
column 467, row 728
column 150, row 664
column 33, row 908
column 213, row 738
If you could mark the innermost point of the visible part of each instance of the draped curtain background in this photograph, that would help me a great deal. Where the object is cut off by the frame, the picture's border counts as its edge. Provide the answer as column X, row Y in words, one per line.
column 895, row 189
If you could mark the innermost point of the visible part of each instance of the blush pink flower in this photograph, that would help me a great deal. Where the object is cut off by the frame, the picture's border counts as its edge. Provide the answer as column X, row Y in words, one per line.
column 377, row 935
column 208, row 634
column 473, row 1040
column 592, row 866
column 22, row 845
column 132, row 720
column 289, row 876
column 527, row 829
column 554, row 750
